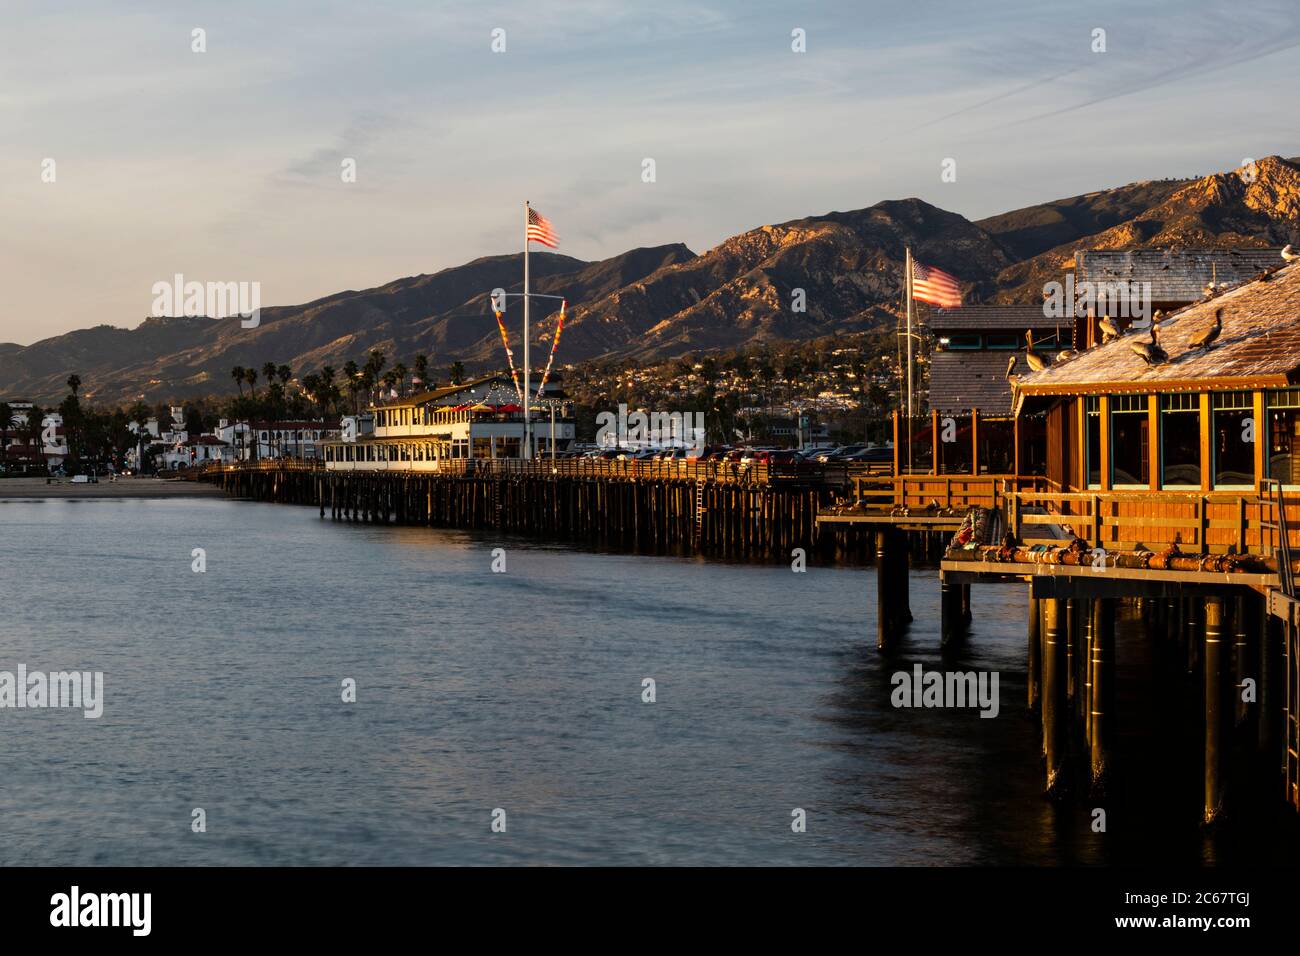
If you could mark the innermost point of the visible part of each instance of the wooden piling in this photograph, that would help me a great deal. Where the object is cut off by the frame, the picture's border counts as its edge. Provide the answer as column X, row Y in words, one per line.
column 1215, row 712
column 1054, row 694
column 1035, row 650
column 1101, row 695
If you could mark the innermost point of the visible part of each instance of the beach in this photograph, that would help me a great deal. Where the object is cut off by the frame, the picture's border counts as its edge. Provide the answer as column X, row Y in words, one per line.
column 141, row 487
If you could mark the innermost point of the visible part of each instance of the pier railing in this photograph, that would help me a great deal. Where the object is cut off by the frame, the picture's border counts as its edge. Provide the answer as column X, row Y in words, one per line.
column 724, row 472
column 1210, row 522
column 948, row 491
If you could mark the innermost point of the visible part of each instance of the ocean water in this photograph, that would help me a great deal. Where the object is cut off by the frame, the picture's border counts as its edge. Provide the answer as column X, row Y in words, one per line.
column 522, row 692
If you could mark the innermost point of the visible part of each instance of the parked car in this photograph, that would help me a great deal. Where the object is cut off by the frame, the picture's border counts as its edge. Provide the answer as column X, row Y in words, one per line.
column 842, row 453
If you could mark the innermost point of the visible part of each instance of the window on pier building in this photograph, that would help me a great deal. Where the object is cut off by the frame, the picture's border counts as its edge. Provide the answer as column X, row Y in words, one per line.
column 1284, row 436
column 1092, row 432
column 954, row 445
column 1130, row 442
column 482, row 447
column 997, row 446
column 1180, row 440
column 1233, row 439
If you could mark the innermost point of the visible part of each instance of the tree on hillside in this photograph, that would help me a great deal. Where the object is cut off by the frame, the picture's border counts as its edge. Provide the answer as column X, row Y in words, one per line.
column 237, row 373
column 74, row 383
column 456, row 373
column 353, row 375
column 7, row 421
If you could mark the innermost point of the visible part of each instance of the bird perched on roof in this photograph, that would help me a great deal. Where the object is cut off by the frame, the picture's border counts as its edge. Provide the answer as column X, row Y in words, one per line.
column 1151, row 352
column 1011, row 369
column 1289, row 254
column 933, row 504
column 1207, row 336
column 1109, row 330
column 1035, row 362
column 1066, row 355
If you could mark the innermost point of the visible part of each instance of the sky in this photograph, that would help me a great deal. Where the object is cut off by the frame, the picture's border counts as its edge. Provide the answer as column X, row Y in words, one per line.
column 226, row 165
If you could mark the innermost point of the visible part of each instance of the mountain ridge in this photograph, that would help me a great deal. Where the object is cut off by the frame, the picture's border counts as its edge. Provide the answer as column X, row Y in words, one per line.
column 804, row 278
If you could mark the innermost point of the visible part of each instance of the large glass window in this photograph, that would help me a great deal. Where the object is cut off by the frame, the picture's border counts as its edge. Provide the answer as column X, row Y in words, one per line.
column 1180, row 440
column 996, row 446
column 1092, row 429
column 1233, row 439
column 964, row 340
column 1004, row 340
column 954, row 445
column 1284, row 436
column 1130, row 445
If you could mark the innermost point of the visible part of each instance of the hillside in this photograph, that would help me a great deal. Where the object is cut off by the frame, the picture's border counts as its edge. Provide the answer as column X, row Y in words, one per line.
column 664, row 301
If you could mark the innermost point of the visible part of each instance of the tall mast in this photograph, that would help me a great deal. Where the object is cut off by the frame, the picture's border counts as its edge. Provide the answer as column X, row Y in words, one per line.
column 528, row 436
column 907, row 284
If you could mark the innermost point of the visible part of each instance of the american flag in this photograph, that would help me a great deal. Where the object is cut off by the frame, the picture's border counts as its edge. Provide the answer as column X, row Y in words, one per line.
column 935, row 286
column 541, row 230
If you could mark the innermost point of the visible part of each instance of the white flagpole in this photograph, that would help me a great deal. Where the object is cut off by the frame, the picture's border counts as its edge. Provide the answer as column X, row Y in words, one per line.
column 528, row 437
column 908, row 285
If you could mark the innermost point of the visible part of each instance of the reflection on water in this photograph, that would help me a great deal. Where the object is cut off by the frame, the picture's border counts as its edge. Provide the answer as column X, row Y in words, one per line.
column 520, row 691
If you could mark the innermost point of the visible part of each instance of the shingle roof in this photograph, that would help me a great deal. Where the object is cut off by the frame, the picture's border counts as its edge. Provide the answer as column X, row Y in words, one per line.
column 1258, row 347
column 1176, row 275
column 960, row 381
column 996, row 318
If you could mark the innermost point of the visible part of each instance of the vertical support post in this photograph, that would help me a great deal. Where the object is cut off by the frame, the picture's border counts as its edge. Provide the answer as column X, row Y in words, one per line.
column 1054, row 700
column 949, row 610
column 1070, row 635
column 934, row 442
column 1242, row 667
column 884, row 625
column 1035, row 674
column 1101, row 714
column 904, row 584
column 1087, row 618
column 1270, row 697
column 1215, row 751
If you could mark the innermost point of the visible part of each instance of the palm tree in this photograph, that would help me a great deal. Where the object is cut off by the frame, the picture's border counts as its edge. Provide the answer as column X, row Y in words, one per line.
column 74, row 383
column 284, row 373
column 422, row 368
column 268, row 372
column 32, row 428
column 353, row 374
column 237, row 373
column 400, row 371
column 457, row 373
column 7, row 421
column 250, row 376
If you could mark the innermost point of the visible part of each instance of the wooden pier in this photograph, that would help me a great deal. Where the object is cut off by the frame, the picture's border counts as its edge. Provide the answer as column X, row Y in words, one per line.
column 668, row 506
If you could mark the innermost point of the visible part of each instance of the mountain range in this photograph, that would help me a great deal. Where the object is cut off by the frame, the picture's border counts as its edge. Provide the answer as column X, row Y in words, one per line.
column 664, row 301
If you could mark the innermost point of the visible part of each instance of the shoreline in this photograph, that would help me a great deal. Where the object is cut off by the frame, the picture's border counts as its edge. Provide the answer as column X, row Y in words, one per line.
column 27, row 489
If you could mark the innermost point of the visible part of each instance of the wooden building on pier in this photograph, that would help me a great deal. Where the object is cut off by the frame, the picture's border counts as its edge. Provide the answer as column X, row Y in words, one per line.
column 429, row 430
